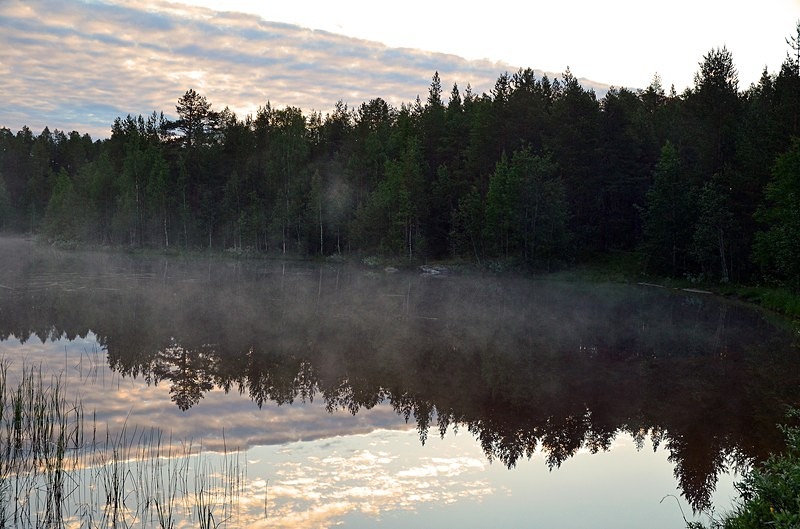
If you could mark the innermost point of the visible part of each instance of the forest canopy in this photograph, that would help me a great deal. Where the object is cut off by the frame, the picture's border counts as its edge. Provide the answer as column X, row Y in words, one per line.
column 537, row 172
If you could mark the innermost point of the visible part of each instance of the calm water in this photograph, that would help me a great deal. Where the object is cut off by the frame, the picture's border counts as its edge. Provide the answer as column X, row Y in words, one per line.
column 363, row 398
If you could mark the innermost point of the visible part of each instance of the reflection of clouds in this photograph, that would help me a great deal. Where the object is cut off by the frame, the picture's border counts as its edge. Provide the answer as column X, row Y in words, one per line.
column 73, row 65
column 362, row 480
column 442, row 467
column 356, row 467
column 345, row 469
column 220, row 420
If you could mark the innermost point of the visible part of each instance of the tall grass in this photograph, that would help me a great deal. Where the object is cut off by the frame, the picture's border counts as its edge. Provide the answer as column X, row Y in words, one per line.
column 54, row 474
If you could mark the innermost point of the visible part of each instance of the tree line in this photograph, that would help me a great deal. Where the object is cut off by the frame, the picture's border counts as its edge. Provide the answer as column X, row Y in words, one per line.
column 537, row 172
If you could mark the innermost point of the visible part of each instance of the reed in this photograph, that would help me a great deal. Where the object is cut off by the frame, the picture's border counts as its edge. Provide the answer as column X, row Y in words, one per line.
column 52, row 474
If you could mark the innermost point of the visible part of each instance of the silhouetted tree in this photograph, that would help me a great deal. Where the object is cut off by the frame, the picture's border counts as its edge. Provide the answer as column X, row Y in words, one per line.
column 668, row 216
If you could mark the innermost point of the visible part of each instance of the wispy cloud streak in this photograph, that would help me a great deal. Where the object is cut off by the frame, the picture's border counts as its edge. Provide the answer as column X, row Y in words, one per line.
column 78, row 65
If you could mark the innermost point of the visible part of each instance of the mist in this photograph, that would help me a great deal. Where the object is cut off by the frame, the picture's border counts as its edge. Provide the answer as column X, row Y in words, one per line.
column 521, row 363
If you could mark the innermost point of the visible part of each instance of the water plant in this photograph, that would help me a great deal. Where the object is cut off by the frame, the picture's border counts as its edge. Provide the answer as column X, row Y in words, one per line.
column 54, row 474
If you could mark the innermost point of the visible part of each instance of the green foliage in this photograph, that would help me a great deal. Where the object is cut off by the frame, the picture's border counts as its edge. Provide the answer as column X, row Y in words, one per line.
column 391, row 218
column 711, row 239
column 467, row 225
column 501, row 208
column 97, row 180
column 63, row 210
column 384, row 221
column 575, row 143
column 777, row 248
column 770, row 493
column 526, row 209
column 5, row 204
column 195, row 121
column 715, row 107
column 141, row 192
column 781, row 301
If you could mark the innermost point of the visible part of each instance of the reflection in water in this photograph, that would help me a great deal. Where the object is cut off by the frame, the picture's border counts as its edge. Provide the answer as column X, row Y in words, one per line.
column 341, row 477
column 190, row 373
column 389, row 477
column 315, row 490
column 522, row 365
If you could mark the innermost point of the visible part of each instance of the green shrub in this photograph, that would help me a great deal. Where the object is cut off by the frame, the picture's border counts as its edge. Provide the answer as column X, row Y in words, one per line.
column 770, row 493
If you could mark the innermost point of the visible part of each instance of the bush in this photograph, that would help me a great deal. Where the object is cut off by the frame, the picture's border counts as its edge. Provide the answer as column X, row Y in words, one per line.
column 770, row 493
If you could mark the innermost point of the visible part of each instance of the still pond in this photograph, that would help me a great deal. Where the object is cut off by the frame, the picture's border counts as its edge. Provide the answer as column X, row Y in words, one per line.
column 261, row 393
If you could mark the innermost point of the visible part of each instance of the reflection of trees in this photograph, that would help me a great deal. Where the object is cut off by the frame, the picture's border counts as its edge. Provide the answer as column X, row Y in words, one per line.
column 521, row 365
column 697, row 465
column 270, row 380
column 189, row 372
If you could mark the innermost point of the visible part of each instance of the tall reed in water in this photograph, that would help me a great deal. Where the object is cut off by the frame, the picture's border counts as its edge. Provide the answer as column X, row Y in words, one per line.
column 52, row 475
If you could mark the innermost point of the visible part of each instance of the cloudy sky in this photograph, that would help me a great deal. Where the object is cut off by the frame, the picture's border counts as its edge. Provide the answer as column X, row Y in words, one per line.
column 79, row 64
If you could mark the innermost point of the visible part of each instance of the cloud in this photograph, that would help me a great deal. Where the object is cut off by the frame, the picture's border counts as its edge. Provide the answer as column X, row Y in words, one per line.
column 306, row 490
column 79, row 65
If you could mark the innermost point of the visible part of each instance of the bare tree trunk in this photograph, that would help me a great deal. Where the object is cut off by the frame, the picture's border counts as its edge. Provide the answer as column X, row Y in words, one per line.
column 533, row 229
column 723, row 263
column 321, row 242
column 185, row 229
column 475, row 248
column 138, row 226
column 409, row 236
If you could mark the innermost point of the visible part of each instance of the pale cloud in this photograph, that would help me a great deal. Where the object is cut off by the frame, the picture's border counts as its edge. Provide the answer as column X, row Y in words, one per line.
column 623, row 42
column 79, row 65
column 443, row 467
column 314, row 491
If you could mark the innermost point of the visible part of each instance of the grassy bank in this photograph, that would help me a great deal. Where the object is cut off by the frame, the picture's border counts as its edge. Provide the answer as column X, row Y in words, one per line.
column 626, row 267
column 776, row 299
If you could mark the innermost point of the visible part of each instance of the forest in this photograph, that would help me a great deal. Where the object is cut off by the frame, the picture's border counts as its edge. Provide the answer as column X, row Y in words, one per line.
column 538, row 174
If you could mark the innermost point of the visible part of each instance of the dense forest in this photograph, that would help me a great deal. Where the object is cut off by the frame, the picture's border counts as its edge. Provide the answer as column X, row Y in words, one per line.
column 536, row 173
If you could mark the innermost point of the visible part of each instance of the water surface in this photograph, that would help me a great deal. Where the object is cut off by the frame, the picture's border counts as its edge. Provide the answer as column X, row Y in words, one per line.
column 377, row 399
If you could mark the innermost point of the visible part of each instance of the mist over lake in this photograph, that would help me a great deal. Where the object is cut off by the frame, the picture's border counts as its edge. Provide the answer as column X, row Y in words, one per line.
column 364, row 397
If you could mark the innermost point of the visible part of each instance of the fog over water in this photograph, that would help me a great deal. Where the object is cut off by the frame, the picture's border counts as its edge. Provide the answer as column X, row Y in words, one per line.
column 286, row 358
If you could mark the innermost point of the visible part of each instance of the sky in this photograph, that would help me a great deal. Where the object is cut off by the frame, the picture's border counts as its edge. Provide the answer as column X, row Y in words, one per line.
column 77, row 65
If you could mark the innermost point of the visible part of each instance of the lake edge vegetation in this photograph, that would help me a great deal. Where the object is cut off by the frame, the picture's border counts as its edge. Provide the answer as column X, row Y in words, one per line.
column 57, row 467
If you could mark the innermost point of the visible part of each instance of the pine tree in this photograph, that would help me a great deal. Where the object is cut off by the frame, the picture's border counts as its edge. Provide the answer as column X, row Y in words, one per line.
column 666, row 217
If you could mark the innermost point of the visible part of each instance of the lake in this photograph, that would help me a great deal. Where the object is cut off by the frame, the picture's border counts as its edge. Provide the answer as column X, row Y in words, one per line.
column 305, row 394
